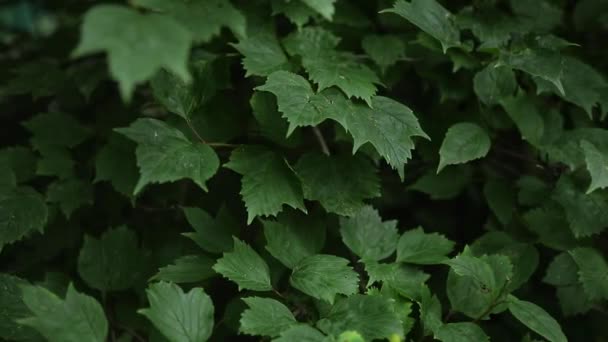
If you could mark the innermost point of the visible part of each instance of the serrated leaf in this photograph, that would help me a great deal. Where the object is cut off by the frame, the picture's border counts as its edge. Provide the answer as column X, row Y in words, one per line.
column 293, row 238
column 461, row 332
column 262, row 54
column 473, row 267
column 525, row 114
column 405, row 280
column 212, row 234
column 417, row 247
column 138, row 45
column 367, row 236
column 430, row 310
column 431, row 18
column 187, row 269
column 164, row 154
column 297, row 12
column 537, row 319
column 76, row 318
column 265, row 317
column 301, row 333
column 245, row 267
column 463, row 142
column 562, row 271
column 70, row 195
column 543, row 63
column 593, row 272
column 115, row 163
column 310, row 42
column 384, row 50
column 323, row 7
column 493, row 83
column 22, row 211
column 323, row 180
column 204, row 19
column 179, row 316
column 55, row 162
column 12, row 308
column 113, row 262
column 268, row 181
column 177, row 96
column 389, row 126
column 271, row 124
column 324, row 276
column 45, row 127
column 597, row 164
column 369, row 315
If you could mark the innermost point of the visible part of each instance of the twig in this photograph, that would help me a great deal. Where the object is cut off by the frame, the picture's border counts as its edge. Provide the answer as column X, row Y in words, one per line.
column 194, row 131
column 321, row 140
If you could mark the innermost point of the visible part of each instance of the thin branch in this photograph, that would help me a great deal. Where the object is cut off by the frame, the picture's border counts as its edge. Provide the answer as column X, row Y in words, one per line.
column 321, row 140
column 194, row 131
column 213, row 144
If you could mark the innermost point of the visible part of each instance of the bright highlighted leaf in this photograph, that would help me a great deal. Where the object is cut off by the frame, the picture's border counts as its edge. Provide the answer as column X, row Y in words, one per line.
column 245, row 267
column 537, row 319
column 179, row 316
column 212, row 234
column 389, row 126
column 187, row 269
column 597, row 164
column 593, row 272
column 367, row 236
column 265, row 317
column 164, row 154
column 431, row 18
column 22, row 211
column 113, row 262
column 76, row 318
column 138, row 45
column 323, row 180
column 293, row 238
column 463, row 142
column 324, row 276
column 268, row 181
column 369, row 315
column 417, row 247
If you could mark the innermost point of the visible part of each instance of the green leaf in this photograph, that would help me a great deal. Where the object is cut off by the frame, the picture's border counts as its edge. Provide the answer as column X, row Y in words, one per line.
column 78, row 317
column 384, row 50
column 431, row 18
column 417, row 247
column 187, row 269
column 593, row 272
column 245, row 267
column 461, row 332
column 138, row 45
column 265, row 317
column 597, row 164
column 562, row 271
column 176, row 95
column 525, row 114
column 12, row 308
column 271, row 124
column 293, row 238
column 389, row 126
column 70, row 194
column 179, row 316
column 463, row 142
column 370, row 315
column 429, row 310
column 22, row 211
column 113, row 262
column 311, row 42
column 323, row 180
column 55, row 162
column 445, row 185
column 494, row 83
column 115, row 163
column 204, row 19
column 301, row 333
column 469, row 266
column 164, row 154
column 297, row 12
column 212, row 234
column 262, row 54
column 405, row 280
column 268, row 181
column 545, row 64
column 501, row 199
column 324, row 276
column 367, row 236
column 323, row 7
column 537, row 319
column 21, row 161
column 44, row 128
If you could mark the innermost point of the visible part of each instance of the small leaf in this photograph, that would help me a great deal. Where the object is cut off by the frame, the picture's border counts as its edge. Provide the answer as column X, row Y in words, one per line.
column 179, row 316
column 384, row 50
column 301, row 333
column 22, row 211
column 262, row 54
column 266, row 317
column 367, row 236
column 323, row 7
column 493, row 83
column 597, row 164
column 245, row 267
column 537, row 319
column 461, row 332
column 115, row 163
column 417, row 247
column 593, row 272
column 324, row 276
column 76, row 318
column 187, row 269
column 70, row 194
column 545, row 64
column 212, row 234
column 164, row 154
column 463, row 142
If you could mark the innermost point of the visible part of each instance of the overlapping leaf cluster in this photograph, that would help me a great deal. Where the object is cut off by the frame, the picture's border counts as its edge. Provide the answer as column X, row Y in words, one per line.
column 303, row 170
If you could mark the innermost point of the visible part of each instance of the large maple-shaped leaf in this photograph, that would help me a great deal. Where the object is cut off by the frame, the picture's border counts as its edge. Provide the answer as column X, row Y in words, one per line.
column 323, row 179
column 164, row 154
column 265, row 317
column 204, row 18
column 179, row 316
column 324, row 276
column 138, row 45
column 389, row 126
column 22, row 211
column 367, row 236
column 431, row 18
column 268, row 181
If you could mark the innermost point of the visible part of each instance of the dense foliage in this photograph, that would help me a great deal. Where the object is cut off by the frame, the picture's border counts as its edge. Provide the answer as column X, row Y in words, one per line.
column 304, row 170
